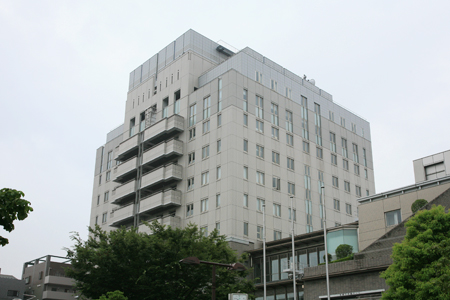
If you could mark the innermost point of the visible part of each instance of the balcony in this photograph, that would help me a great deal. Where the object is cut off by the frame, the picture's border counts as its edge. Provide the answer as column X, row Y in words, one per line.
column 162, row 153
column 126, row 170
column 58, row 295
column 159, row 178
column 123, row 215
column 59, row 280
column 124, row 193
column 163, row 130
column 128, row 148
column 160, row 201
column 172, row 221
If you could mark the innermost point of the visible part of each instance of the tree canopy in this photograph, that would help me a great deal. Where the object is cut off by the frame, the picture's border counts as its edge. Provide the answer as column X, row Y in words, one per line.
column 421, row 267
column 343, row 250
column 418, row 205
column 146, row 266
column 116, row 295
column 12, row 207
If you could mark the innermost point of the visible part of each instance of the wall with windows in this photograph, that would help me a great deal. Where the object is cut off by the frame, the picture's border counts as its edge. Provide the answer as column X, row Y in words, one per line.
column 432, row 167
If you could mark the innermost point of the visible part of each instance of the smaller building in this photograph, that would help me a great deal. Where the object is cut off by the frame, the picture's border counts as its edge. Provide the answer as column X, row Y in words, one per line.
column 45, row 278
column 432, row 167
column 11, row 288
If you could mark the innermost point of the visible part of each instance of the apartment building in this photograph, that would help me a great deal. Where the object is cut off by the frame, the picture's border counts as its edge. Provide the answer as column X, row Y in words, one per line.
column 217, row 137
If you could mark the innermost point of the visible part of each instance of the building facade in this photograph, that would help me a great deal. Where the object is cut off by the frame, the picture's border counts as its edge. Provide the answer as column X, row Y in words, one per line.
column 11, row 288
column 214, row 137
column 432, row 167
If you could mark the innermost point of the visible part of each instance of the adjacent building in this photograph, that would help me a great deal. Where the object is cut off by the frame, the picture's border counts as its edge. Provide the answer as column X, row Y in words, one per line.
column 11, row 288
column 432, row 167
column 215, row 136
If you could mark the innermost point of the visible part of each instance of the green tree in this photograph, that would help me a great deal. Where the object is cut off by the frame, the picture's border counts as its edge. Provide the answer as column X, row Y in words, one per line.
column 116, row 295
column 418, row 204
column 12, row 207
column 421, row 263
column 343, row 250
column 146, row 266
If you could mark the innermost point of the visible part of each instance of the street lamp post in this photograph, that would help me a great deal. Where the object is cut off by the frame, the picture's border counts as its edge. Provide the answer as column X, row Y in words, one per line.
column 195, row 261
column 325, row 241
column 293, row 249
column 264, row 250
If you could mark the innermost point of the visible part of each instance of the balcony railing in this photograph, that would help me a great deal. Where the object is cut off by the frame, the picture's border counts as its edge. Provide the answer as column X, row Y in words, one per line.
column 172, row 221
column 126, row 170
column 163, row 130
column 128, row 148
column 163, row 152
column 162, row 176
column 160, row 201
column 124, row 192
column 123, row 215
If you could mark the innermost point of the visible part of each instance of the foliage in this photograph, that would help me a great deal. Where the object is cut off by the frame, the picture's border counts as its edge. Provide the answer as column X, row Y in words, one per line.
column 418, row 204
column 343, row 250
column 421, row 267
column 147, row 266
column 12, row 208
column 330, row 257
column 350, row 257
column 116, row 295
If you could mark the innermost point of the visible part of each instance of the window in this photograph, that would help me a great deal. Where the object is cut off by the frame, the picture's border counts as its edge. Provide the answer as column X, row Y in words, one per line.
column 307, row 183
column 165, row 106
column 276, row 235
column 274, row 114
column 12, row 293
column 205, row 152
column 364, row 157
column 277, row 210
column 219, row 120
column 245, row 145
column 334, row 159
column 273, row 85
column 332, row 142
column 206, row 107
column 288, row 93
column 109, row 162
column 98, row 199
column 218, row 227
column 289, row 125
column 347, row 186
column 355, row 153
column 354, row 128
column 142, row 117
column 245, row 200
column 205, row 178
column 290, row 215
column 344, row 148
column 318, row 124
column 337, row 224
column 191, row 133
column 219, row 173
column 260, row 204
column 132, row 124
column 259, row 232
column 106, row 197
column 291, row 188
column 358, row 190
column 41, row 275
column 104, row 218
column 348, row 209
column 245, row 119
column 219, row 100
column 276, row 157
column 245, row 102
column 192, row 115
column 219, row 146
column 393, row 217
column 290, row 163
column 206, row 126
column 108, row 176
column 356, row 167
column 342, row 122
column 434, row 171
column 289, row 139
column 367, row 192
column 275, row 133
column 218, row 200
column 191, row 158
column 276, row 183
column 306, row 146
column 331, row 115
column 259, row 77
column 366, row 174
column 335, row 181
column 203, row 205
column 245, row 228
column 260, row 151
column 259, row 107
column 260, row 177
column 309, row 226
column 260, row 126
column 345, row 164
column 336, row 204
column 319, row 152
column 189, row 210
column 304, row 115
column 27, row 279
column 190, row 183
column 176, row 105
column 245, row 172
column 204, row 231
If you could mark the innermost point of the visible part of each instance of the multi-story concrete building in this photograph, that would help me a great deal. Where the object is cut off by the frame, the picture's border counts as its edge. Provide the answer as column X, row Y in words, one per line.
column 212, row 136
column 432, row 167
column 11, row 288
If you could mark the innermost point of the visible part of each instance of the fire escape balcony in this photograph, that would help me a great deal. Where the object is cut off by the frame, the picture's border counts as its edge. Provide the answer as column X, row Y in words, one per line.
column 159, row 202
column 124, row 193
column 126, row 170
column 123, row 215
column 162, row 153
column 163, row 130
column 160, row 178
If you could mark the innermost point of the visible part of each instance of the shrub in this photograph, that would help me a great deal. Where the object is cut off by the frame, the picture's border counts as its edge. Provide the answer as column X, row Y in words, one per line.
column 343, row 250
column 418, row 204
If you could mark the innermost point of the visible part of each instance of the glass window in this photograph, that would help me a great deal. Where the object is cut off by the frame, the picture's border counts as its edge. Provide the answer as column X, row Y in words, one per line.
column 245, row 228
column 245, row 172
column 304, row 114
column 259, row 107
column 191, row 158
column 190, row 183
column 219, row 145
column 219, row 120
column 205, row 178
column 205, row 152
column 344, row 148
column 259, row 232
column 276, row 235
column 192, row 115
column 219, row 173
column 218, row 200
column 290, row 163
column 204, row 231
column 275, row 133
column 191, row 133
column 204, row 205
column 276, row 157
column 277, row 210
column 289, row 124
column 347, row 186
column 336, row 204
column 207, row 107
column 245, row 145
column 319, row 152
column 219, row 100
column 260, row 177
column 332, row 142
column 245, row 200
column 306, row 146
column 259, row 204
column 260, row 151
column 245, row 119
column 393, row 217
column 274, row 114
column 289, row 139
column 334, row 159
column 245, row 102
column 335, row 181
column 291, row 188
column 276, row 183
column 206, row 126
column 348, row 208
column 260, row 126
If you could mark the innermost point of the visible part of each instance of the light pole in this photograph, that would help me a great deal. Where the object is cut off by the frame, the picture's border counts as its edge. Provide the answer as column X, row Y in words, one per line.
column 195, row 261
column 293, row 248
column 325, row 240
column 264, row 250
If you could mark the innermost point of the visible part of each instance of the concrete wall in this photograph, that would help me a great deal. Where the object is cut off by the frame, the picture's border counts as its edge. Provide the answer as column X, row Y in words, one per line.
column 420, row 165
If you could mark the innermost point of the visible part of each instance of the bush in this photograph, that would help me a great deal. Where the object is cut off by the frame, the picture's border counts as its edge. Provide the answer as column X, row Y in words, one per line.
column 418, row 204
column 343, row 250
column 330, row 257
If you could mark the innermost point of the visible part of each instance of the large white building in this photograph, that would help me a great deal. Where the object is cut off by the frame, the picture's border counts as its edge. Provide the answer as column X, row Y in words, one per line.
column 210, row 135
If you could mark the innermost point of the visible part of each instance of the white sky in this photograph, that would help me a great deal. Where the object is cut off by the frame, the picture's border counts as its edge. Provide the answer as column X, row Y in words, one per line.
column 64, row 68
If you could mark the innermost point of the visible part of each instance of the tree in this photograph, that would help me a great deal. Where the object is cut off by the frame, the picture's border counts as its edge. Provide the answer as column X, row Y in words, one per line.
column 418, row 204
column 146, row 266
column 12, row 207
column 421, row 263
column 343, row 250
column 116, row 295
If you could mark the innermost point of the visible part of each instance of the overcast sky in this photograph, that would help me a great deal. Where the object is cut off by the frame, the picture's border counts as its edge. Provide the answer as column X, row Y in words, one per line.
column 64, row 68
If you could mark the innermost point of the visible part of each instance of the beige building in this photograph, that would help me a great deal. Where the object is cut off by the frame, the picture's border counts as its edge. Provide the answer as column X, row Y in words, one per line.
column 432, row 167
column 212, row 136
